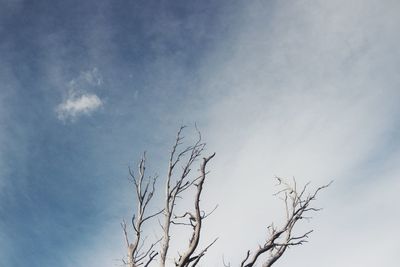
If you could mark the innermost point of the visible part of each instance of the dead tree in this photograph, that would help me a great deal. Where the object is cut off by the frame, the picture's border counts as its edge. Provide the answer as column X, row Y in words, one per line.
column 179, row 179
column 174, row 188
column 184, row 177
column 298, row 204
column 136, row 255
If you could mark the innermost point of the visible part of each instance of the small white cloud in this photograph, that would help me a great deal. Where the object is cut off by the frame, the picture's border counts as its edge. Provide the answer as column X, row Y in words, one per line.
column 79, row 100
column 75, row 106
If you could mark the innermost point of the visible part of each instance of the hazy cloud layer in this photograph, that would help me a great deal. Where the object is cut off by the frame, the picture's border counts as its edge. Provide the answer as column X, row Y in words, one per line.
column 310, row 91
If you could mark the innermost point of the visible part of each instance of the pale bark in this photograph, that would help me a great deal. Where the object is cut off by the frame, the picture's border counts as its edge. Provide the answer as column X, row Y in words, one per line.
column 180, row 179
column 297, row 206
column 173, row 190
column 136, row 255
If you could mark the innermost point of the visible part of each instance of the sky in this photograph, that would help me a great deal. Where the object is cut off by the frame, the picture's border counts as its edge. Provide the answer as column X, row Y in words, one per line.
column 304, row 89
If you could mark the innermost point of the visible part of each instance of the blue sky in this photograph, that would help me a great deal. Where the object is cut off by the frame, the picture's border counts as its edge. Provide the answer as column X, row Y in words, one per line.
column 291, row 88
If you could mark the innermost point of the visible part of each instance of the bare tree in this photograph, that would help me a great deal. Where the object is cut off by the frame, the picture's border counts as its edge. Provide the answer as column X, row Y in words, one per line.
column 137, row 255
column 182, row 180
column 297, row 206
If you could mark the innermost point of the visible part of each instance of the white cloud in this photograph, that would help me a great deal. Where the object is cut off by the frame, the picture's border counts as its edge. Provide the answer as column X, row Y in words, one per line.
column 80, row 101
column 75, row 106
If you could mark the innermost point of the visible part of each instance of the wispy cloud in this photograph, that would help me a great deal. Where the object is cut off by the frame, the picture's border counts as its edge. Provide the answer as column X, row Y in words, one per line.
column 78, row 100
column 311, row 97
column 93, row 77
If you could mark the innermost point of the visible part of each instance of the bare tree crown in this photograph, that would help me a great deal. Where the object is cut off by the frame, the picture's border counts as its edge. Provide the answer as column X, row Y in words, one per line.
column 182, row 176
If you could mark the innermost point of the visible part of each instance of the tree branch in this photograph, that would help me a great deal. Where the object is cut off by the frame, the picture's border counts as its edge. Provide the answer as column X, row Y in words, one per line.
column 296, row 206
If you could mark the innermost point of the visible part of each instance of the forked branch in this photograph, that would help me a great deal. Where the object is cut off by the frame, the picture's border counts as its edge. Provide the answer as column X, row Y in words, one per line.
column 144, row 190
column 297, row 205
column 187, row 172
column 176, row 184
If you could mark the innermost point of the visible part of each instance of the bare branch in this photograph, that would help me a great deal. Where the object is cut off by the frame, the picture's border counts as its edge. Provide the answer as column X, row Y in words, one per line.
column 184, row 176
column 197, row 258
column 196, row 218
column 144, row 193
column 296, row 206
column 176, row 185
